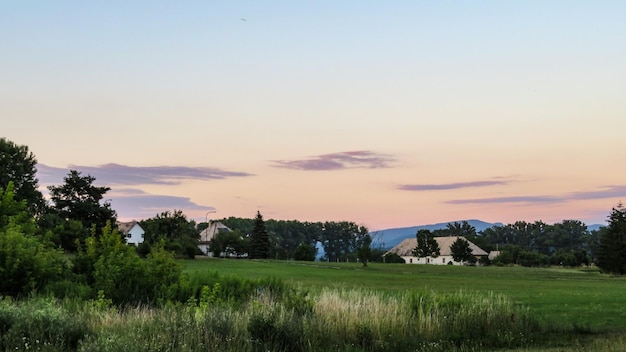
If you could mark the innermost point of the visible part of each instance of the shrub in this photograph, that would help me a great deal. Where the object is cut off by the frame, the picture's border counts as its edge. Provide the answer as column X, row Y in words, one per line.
column 111, row 266
column 27, row 264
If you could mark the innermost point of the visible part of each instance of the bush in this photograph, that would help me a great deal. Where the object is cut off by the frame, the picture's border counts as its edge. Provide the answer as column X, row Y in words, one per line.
column 27, row 265
column 111, row 266
column 393, row 258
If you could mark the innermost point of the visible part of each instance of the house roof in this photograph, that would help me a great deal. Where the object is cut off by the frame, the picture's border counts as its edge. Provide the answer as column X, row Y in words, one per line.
column 207, row 234
column 125, row 227
column 405, row 248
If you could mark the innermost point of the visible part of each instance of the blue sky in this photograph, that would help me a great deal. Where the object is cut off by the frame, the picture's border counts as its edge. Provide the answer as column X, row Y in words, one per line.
column 384, row 113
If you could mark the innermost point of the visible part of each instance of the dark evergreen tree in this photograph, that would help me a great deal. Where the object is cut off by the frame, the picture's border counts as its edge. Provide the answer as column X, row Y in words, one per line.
column 427, row 246
column 461, row 251
column 259, row 239
column 612, row 249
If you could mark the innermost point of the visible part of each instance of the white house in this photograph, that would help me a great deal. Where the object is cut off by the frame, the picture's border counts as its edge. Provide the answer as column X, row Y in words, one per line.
column 132, row 231
column 405, row 250
column 207, row 234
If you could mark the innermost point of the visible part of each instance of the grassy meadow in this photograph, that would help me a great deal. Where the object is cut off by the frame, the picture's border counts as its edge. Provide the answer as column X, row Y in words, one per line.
column 244, row 305
column 583, row 298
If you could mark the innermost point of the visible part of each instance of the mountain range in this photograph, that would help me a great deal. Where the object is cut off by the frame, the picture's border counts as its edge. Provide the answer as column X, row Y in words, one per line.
column 389, row 238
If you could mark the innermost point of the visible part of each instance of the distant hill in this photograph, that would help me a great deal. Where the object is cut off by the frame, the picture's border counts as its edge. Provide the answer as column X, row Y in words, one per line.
column 389, row 238
column 595, row 227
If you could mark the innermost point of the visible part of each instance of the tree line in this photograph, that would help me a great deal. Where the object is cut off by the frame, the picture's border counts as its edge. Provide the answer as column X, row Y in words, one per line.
column 77, row 211
column 293, row 239
column 568, row 243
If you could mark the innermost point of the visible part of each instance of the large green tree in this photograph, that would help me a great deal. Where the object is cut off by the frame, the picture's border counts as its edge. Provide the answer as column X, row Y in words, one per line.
column 426, row 245
column 461, row 251
column 18, row 165
column 78, row 199
column 229, row 243
column 259, row 239
column 179, row 234
column 26, row 262
column 77, row 209
column 612, row 249
column 305, row 252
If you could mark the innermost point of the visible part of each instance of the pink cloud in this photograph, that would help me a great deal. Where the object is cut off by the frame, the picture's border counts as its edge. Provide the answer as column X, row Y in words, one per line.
column 339, row 161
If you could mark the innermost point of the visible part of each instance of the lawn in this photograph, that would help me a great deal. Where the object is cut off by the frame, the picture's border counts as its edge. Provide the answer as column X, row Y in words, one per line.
column 585, row 298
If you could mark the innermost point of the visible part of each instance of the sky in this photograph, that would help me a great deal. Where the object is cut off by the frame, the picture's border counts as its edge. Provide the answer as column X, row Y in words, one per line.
column 385, row 113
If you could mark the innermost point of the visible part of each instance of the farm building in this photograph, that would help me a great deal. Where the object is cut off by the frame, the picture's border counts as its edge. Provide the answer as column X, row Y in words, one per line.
column 132, row 231
column 207, row 234
column 405, row 250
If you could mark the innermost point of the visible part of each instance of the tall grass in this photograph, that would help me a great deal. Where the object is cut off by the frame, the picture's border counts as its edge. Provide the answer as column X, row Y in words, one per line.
column 279, row 319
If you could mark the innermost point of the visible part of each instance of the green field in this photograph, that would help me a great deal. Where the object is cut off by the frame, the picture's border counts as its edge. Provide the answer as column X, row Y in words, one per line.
column 567, row 297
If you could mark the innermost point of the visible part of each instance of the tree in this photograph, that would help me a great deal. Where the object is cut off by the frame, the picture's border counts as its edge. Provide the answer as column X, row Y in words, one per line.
column 259, row 239
column 178, row 234
column 26, row 262
column 462, row 229
column 14, row 211
column 461, row 251
column 612, row 249
column 305, row 252
column 363, row 245
column 392, row 258
column 78, row 199
column 342, row 240
column 228, row 243
column 17, row 164
column 111, row 266
column 426, row 245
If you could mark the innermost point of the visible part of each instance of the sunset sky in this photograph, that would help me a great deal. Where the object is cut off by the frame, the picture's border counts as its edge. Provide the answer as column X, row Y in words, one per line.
column 385, row 113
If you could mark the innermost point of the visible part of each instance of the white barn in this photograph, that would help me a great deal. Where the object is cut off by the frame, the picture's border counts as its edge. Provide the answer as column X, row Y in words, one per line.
column 132, row 231
column 405, row 250
column 207, row 234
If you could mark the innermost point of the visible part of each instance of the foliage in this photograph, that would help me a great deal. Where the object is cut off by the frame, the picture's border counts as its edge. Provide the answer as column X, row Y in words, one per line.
column 26, row 263
column 229, row 243
column 259, row 239
column 328, row 320
column 114, row 268
column 67, row 234
column 78, row 199
column 40, row 324
column 456, row 229
column 363, row 246
column 461, row 251
column 612, row 249
column 342, row 240
column 392, row 258
column 305, row 252
column 520, row 256
column 178, row 234
column 18, row 165
column 14, row 211
column 426, row 246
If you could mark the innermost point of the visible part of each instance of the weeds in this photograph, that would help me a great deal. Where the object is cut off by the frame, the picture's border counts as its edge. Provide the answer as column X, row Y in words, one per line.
column 274, row 317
